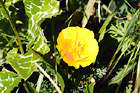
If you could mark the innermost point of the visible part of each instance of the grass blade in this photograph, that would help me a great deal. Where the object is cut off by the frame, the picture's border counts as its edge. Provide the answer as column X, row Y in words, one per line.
column 137, row 83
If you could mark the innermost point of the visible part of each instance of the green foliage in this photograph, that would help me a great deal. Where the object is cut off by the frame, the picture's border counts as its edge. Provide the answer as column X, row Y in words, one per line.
column 90, row 85
column 23, row 64
column 28, row 33
column 100, row 72
column 29, row 88
column 88, row 11
column 128, row 37
column 125, row 41
column 37, row 11
column 59, row 77
column 102, row 30
column 8, row 80
column 137, row 84
column 46, row 87
column 118, row 77
column 118, row 31
column 129, row 88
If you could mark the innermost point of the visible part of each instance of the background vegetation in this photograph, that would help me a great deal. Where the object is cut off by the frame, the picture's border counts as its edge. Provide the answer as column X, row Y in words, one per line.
column 30, row 62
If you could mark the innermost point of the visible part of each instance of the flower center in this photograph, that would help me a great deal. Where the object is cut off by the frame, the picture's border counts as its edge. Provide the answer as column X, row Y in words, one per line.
column 74, row 51
column 78, row 49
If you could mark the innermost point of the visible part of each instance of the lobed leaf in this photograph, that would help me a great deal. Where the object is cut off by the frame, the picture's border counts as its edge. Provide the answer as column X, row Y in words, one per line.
column 37, row 11
column 8, row 80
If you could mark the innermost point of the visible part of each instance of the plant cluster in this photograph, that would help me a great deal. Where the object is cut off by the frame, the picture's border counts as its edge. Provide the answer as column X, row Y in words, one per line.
column 69, row 46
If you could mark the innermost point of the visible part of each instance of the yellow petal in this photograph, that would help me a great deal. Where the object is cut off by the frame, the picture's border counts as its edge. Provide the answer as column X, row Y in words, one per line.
column 77, row 46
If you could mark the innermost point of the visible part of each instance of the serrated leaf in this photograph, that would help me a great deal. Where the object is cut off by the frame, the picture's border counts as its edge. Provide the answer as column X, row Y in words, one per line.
column 37, row 11
column 118, row 31
column 123, row 8
column 23, row 64
column 8, row 80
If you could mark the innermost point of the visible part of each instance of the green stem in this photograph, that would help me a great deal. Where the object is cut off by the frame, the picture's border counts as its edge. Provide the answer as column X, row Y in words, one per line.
column 116, row 62
column 14, row 28
column 7, row 40
column 128, row 4
column 125, row 69
column 40, row 79
column 54, row 46
column 47, row 76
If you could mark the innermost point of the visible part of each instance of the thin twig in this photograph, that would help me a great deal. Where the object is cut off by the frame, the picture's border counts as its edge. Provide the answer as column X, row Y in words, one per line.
column 67, row 5
column 99, row 6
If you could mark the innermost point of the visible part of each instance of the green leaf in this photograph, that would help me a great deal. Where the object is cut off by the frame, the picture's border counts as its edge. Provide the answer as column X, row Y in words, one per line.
column 118, row 31
column 129, row 88
column 59, row 77
column 123, row 8
column 29, row 88
column 124, row 40
column 7, row 3
column 102, row 30
column 64, row 81
column 3, row 53
column 37, row 11
column 5, row 27
column 118, row 77
column 23, row 64
column 129, row 27
column 91, row 87
column 2, row 13
column 88, row 11
column 8, row 80
column 137, row 83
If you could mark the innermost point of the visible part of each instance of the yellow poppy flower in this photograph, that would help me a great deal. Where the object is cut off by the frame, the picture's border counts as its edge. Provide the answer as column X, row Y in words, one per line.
column 77, row 46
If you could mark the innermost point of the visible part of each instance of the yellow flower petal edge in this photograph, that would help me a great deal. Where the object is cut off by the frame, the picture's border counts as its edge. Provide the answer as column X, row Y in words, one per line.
column 77, row 46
